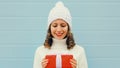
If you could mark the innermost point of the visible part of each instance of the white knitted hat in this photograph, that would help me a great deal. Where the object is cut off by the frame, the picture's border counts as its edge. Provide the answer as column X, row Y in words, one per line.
column 60, row 11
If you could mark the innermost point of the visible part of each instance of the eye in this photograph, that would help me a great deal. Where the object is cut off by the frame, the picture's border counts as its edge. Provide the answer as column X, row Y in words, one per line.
column 54, row 25
column 63, row 25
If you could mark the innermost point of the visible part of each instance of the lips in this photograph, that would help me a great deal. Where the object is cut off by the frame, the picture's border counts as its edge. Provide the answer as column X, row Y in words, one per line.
column 59, row 34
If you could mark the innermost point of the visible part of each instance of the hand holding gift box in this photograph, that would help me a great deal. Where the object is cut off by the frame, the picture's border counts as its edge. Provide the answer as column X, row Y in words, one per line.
column 55, row 61
column 51, row 61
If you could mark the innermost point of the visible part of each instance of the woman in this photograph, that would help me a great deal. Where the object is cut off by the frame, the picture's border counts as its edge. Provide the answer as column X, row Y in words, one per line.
column 59, row 41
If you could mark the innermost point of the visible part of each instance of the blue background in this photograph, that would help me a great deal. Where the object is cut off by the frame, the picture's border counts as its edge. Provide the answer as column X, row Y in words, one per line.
column 96, row 27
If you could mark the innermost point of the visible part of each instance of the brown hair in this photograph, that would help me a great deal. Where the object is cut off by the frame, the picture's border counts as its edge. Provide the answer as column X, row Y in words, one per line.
column 70, row 40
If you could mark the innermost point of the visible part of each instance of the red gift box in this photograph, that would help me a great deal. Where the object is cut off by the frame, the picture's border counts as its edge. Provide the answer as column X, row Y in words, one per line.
column 65, row 61
column 51, row 61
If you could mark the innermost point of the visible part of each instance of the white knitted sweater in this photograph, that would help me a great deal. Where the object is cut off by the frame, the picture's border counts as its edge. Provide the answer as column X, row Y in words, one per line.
column 60, row 47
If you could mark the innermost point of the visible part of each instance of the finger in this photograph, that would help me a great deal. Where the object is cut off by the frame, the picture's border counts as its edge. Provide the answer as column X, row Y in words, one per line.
column 73, row 61
column 44, row 60
column 45, row 64
column 73, row 65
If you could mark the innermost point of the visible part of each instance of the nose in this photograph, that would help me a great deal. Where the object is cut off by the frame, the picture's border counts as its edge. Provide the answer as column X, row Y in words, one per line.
column 59, row 29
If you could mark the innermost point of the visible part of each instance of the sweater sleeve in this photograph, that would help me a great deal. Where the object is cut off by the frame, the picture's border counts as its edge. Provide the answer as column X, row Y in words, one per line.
column 82, row 63
column 37, row 59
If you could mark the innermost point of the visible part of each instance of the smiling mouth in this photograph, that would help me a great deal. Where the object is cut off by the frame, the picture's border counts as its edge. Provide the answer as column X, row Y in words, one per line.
column 59, row 34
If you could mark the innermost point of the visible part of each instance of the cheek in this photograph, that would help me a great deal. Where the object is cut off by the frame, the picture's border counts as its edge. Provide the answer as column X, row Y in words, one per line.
column 52, row 30
column 65, row 31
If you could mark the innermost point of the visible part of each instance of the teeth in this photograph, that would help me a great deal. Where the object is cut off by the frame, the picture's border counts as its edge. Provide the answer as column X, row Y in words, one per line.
column 59, row 34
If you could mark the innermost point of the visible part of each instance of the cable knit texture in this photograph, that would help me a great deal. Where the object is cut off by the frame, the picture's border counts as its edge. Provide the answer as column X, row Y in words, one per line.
column 60, row 11
column 60, row 47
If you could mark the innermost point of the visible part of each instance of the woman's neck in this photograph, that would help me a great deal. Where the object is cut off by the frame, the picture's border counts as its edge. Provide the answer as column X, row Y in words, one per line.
column 59, row 44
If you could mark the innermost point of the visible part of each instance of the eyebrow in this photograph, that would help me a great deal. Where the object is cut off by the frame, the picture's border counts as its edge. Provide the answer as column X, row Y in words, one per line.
column 54, row 23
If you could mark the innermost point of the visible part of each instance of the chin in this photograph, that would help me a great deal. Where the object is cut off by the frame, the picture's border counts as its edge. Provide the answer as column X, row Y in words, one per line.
column 59, row 37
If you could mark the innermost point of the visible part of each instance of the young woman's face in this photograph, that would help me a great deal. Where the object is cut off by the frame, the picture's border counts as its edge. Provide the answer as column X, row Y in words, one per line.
column 59, row 29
